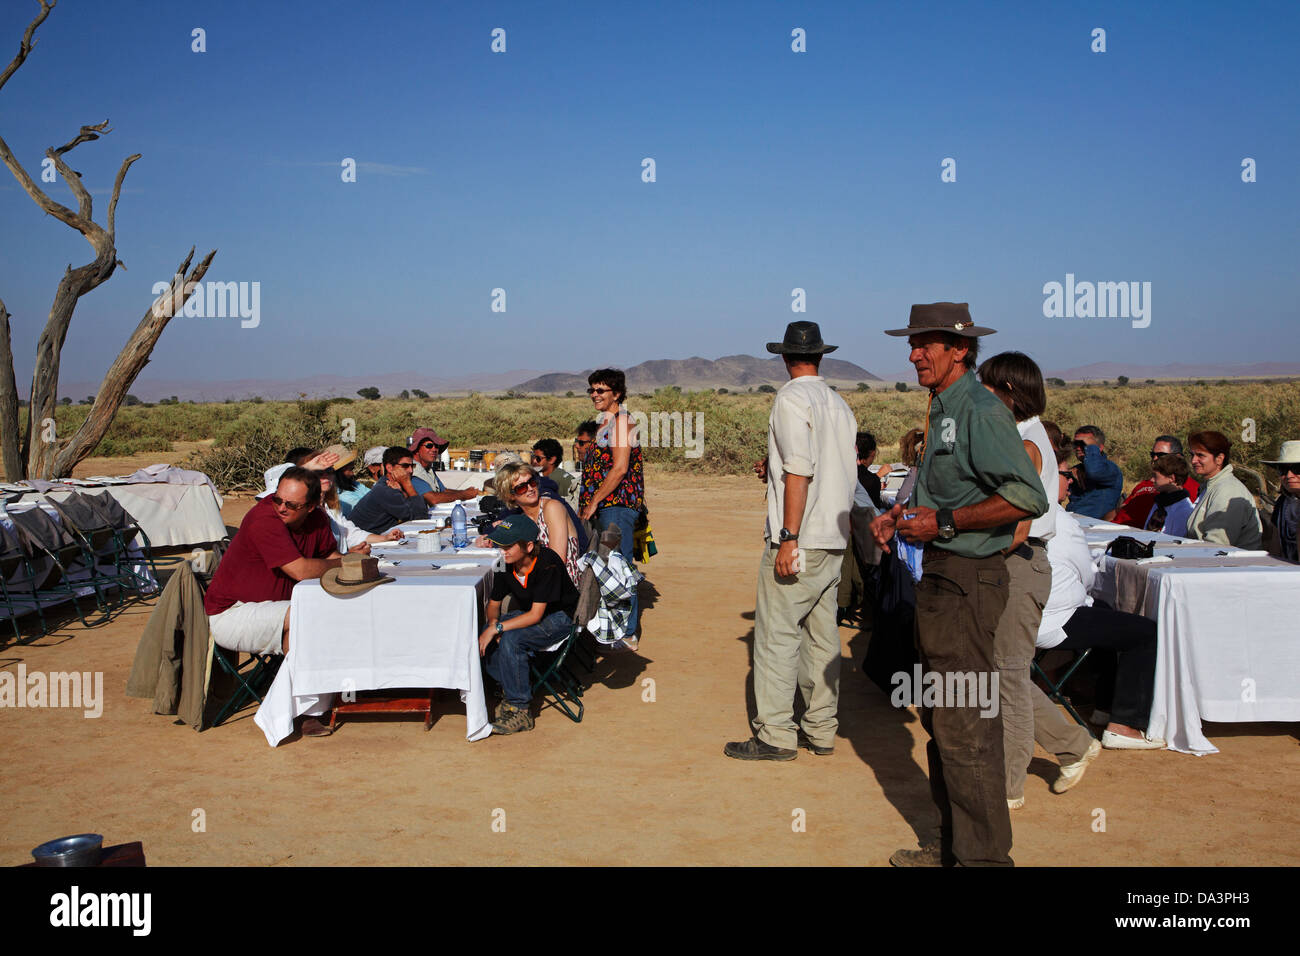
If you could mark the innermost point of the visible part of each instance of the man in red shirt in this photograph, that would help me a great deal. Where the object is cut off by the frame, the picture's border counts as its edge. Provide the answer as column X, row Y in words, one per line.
column 284, row 539
column 1136, row 508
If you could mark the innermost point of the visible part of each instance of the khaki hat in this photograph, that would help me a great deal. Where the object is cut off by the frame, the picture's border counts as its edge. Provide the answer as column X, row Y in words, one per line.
column 346, row 455
column 1289, row 455
column 358, row 573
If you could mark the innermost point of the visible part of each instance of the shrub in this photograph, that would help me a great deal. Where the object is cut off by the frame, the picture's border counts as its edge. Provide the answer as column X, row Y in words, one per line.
column 369, row 392
column 766, row 388
column 900, row 386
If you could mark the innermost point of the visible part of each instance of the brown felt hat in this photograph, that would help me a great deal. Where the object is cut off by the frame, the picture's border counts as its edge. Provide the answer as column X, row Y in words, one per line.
column 952, row 317
column 358, row 573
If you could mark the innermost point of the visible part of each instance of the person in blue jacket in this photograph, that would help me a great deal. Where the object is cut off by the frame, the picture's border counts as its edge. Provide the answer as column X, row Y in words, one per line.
column 1098, row 483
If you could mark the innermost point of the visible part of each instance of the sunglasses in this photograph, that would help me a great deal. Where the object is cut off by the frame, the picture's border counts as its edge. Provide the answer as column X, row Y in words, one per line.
column 539, row 458
column 584, row 441
column 405, row 464
column 427, row 444
column 519, row 488
column 599, row 391
column 291, row 505
column 1290, row 469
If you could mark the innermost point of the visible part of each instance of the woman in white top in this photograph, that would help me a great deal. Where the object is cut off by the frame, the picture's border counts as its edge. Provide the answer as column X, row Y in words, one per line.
column 1016, row 379
column 1071, row 620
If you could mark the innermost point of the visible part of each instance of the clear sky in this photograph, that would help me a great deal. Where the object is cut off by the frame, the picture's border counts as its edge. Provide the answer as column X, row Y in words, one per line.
column 774, row 170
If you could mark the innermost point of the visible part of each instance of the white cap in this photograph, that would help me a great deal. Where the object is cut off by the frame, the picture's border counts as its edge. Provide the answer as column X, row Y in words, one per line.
column 374, row 456
column 272, row 476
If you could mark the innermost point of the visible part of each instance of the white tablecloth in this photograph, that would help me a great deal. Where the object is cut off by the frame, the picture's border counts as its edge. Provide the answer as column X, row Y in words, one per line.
column 171, row 515
column 460, row 480
column 1227, row 648
column 420, row 631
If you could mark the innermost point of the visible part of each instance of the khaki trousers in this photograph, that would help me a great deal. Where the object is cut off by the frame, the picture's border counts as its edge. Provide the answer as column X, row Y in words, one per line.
column 1013, row 650
column 796, row 642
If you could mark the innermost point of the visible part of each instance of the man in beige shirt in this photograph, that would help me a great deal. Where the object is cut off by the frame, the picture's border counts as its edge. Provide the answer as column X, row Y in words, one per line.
column 811, row 471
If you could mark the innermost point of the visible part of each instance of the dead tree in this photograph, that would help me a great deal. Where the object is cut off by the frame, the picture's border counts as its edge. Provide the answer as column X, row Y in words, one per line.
column 28, row 454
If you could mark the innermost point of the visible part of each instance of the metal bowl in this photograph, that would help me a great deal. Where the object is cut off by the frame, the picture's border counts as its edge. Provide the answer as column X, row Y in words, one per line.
column 84, row 849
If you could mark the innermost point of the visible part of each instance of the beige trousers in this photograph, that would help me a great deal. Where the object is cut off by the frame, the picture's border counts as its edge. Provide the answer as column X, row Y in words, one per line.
column 796, row 642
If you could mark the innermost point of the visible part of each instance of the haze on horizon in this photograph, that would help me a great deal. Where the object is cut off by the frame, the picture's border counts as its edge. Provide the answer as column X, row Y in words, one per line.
column 774, row 170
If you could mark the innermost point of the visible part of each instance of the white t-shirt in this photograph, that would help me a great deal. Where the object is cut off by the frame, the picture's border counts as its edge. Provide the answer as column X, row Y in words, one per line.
column 1031, row 429
column 812, row 432
column 1072, row 575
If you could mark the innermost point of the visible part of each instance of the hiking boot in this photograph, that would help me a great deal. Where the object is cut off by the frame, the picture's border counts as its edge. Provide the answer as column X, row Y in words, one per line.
column 929, row 855
column 817, row 749
column 755, row 749
column 512, row 719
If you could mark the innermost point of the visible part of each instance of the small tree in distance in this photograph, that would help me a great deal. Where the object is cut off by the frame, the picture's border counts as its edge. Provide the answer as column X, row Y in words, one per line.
column 900, row 386
column 369, row 392
column 1122, row 381
column 403, row 394
column 419, row 393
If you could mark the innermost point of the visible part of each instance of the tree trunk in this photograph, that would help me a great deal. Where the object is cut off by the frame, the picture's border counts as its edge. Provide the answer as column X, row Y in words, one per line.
column 129, row 363
column 10, row 456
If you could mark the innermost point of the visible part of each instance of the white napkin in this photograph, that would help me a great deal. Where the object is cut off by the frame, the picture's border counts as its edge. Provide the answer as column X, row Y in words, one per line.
column 1244, row 554
column 1158, row 559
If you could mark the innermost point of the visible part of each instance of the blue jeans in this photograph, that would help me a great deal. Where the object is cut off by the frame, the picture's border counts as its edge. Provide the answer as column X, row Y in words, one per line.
column 625, row 520
column 508, row 656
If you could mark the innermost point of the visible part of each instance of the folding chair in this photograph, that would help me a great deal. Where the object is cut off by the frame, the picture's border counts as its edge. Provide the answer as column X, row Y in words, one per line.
column 1055, row 691
column 62, row 560
column 101, row 554
column 252, row 678
column 129, row 534
column 554, row 680
column 17, row 582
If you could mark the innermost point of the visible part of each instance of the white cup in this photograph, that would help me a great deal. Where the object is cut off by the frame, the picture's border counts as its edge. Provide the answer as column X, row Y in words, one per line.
column 428, row 543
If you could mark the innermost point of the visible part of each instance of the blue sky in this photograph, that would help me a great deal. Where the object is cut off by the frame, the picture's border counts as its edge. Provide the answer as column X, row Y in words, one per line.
column 775, row 170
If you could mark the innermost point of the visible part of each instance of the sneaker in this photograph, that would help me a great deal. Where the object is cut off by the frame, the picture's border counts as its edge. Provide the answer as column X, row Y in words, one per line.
column 512, row 720
column 820, row 751
column 1114, row 741
column 930, row 855
column 1015, row 804
column 1072, row 773
column 755, row 749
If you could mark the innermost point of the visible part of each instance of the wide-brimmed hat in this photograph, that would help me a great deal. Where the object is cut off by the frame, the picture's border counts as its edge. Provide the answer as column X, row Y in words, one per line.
column 272, row 477
column 1289, row 455
column 801, row 338
column 951, row 317
column 346, row 455
column 358, row 573
column 420, row 434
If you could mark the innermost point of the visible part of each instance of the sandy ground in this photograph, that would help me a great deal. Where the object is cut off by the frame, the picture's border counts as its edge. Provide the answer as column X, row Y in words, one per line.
column 641, row 780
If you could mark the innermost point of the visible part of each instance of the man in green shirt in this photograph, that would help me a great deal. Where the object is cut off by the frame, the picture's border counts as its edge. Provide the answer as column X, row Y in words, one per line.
column 974, row 484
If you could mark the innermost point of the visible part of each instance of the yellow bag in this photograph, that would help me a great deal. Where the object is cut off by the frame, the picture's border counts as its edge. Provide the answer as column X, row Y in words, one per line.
column 643, row 542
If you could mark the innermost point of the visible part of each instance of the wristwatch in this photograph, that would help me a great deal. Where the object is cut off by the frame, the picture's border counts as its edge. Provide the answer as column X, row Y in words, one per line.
column 947, row 526
column 785, row 536
column 500, row 629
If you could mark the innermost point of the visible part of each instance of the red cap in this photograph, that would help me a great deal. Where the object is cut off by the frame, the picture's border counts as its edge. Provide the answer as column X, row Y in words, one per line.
column 421, row 434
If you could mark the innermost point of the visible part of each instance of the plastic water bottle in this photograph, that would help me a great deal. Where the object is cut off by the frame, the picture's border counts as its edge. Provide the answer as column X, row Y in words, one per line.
column 458, row 538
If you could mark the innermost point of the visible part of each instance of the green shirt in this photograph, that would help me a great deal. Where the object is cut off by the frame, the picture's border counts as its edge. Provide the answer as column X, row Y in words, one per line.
column 973, row 451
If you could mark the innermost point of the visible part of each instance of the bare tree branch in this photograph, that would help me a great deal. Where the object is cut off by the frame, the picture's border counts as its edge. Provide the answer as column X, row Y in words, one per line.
column 112, row 203
column 129, row 363
column 25, row 47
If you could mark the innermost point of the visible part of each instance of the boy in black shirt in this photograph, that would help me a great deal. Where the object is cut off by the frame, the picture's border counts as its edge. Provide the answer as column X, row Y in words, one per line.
column 539, row 584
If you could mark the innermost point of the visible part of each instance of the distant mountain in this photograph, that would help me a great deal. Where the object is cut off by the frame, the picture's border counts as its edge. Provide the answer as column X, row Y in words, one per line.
column 730, row 371
column 316, row 386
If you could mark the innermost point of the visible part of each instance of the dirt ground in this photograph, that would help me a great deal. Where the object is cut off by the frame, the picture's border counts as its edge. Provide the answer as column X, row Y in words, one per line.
column 642, row 780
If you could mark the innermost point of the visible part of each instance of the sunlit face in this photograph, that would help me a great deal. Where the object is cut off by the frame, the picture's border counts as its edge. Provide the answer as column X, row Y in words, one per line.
column 525, row 491
column 326, row 480
column 1205, row 465
column 290, row 502
column 426, row 453
column 933, row 358
column 516, row 552
column 603, row 397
